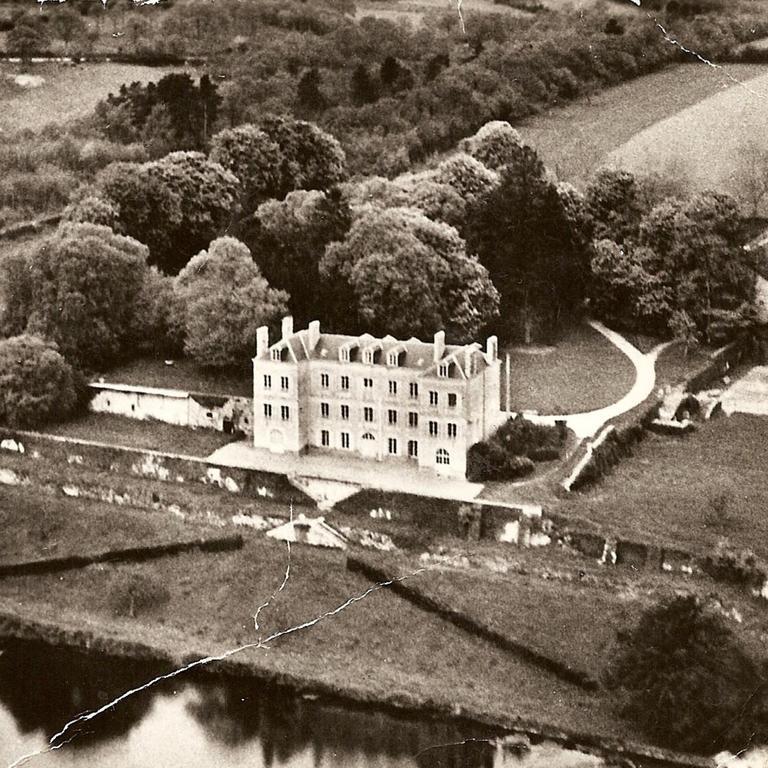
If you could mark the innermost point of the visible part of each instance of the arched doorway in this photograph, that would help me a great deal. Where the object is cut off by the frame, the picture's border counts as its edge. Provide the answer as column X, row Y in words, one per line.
column 368, row 445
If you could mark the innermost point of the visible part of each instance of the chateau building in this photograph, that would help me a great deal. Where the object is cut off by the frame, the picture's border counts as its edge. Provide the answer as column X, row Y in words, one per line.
column 382, row 399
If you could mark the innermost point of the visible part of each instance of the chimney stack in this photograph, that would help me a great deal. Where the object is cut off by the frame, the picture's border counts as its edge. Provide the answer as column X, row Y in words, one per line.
column 313, row 332
column 287, row 327
column 439, row 346
column 262, row 341
column 492, row 349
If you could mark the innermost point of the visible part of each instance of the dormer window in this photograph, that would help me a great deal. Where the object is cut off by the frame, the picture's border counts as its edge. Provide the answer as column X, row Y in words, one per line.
column 392, row 359
column 344, row 354
column 277, row 354
column 368, row 357
column 443, row 370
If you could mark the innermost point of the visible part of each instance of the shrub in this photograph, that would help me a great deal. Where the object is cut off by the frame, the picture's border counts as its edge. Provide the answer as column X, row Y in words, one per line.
column 489, row 461
column 736, row 566
column 136, row 593
column 36, row 384
column 521, row 437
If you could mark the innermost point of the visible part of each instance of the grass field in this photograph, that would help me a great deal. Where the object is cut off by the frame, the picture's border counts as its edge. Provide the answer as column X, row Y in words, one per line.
column 663, row 494
column 381, row 645
column 37, row 525
column 147, row 435
column 583, row 372
column 576, row 139
column 68, row 92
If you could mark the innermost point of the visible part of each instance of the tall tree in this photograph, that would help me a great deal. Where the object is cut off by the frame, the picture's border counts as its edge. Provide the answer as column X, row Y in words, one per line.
column 308, row 94
column 399, row 272
column 288, row 239
column 362, row 87
column 84, row 282
column 312, row 158
column 223, row 299
column 37, row 385
column 254, row 158
column 525, row 236
column 614, row 205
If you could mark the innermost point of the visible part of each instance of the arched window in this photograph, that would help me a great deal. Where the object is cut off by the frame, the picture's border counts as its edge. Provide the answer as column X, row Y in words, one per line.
column 442, row 457
column 368, row 436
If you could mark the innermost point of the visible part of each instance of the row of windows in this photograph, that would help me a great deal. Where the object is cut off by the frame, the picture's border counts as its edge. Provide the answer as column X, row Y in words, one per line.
column 285, row 412
column 285, row 382
column 325, row 382
column 392, row 418
column 442, row 456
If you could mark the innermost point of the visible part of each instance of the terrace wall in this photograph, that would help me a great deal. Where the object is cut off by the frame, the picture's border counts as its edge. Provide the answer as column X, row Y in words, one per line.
column 133, row 476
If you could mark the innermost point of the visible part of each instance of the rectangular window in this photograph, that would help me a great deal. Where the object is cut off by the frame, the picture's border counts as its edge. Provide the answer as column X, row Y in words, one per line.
column 267, row 382
column 452, row 430
column 368, row 414
column 325, row 410
column 413, row 449
column 285, row 412
column 325, row 438
column 433, row 398
column 452, row 400
column 267, row 411
column 345, row 439
column 414, row 389
column 325, row 380
column 433, row 428
column 392, row 446
column 392, row 416
column 413, row 419
column 392, row 387
column 284, row 383
column 345, row 412
column 368, row 383
column 345, row 382
column 442, row 370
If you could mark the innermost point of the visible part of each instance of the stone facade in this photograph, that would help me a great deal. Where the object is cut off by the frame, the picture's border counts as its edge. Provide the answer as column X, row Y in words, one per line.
column 382, row 399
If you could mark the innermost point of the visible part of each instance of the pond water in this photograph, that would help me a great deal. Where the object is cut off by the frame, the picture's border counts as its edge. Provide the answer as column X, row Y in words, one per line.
column 208, row 721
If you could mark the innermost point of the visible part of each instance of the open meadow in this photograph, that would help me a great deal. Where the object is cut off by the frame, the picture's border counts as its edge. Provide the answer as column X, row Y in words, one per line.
column 638, row 124
column 66, row 93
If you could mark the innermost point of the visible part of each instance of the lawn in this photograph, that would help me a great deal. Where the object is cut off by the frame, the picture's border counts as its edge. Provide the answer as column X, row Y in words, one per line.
column 582, row 373
column 68, row 92
column 576, row 139
column 146, row 435
column 38, row 525
column 182, row 374
column 664, row 493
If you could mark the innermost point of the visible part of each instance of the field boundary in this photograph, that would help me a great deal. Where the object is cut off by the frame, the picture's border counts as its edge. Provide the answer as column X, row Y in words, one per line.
column 469, row 624
column 122, row 555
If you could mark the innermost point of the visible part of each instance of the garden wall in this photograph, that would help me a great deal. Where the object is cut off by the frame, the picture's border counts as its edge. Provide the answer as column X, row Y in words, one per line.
column 28, row 458
column 444, row 517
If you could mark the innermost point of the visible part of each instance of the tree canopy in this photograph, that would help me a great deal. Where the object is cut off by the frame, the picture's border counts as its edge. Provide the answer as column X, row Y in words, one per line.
column 527, row 232
column 37, row 385
column 223, row 299
column 83, row 282
column 288, row 239
column 399, row 272
column 689, row 683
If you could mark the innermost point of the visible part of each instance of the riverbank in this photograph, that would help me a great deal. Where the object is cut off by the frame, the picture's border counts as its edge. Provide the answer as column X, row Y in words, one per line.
column 379, row 652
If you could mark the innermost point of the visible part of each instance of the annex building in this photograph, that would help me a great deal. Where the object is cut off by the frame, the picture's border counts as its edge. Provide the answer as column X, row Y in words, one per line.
column 382, row 399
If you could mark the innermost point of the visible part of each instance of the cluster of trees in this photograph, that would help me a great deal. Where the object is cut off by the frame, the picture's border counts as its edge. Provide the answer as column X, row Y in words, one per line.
column 688, row 682
column 670, row 266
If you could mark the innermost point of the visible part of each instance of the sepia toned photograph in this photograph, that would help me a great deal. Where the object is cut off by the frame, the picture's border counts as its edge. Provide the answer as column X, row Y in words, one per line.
column 384, row 383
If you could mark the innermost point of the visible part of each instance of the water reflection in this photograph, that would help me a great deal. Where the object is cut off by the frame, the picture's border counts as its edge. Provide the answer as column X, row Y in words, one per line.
column 202, row 722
